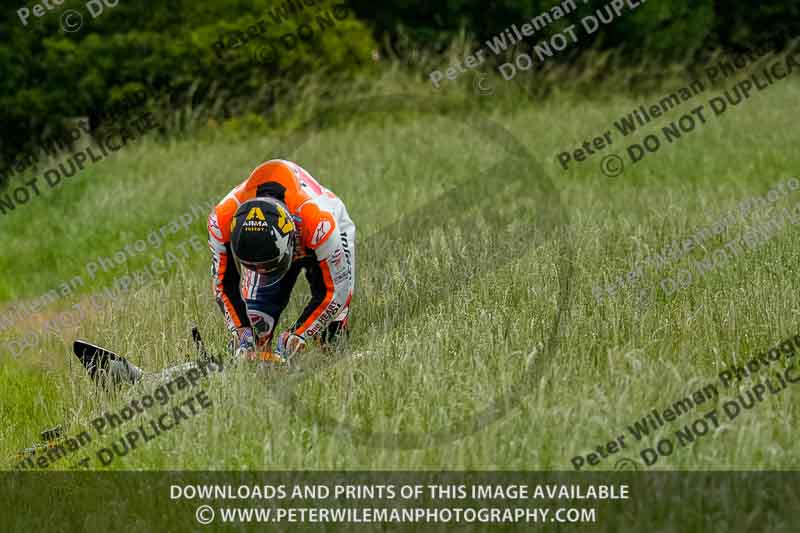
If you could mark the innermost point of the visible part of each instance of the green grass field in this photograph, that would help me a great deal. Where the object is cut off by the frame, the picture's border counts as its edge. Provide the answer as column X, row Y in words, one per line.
column 476, row 342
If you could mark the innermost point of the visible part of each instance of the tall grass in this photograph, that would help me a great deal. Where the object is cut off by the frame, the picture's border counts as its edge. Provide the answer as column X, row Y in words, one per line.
column 458, row 292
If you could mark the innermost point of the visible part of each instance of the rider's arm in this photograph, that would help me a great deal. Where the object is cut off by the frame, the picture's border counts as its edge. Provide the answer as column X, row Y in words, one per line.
column 226, row 278
column 331, row 289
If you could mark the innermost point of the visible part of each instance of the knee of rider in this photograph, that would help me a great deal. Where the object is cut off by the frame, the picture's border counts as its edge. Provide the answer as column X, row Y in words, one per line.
column 263, row 326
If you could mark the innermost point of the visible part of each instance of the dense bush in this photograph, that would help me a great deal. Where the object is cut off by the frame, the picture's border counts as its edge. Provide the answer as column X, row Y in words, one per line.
column 669, row 27
column 195, row 51
column 169, row 51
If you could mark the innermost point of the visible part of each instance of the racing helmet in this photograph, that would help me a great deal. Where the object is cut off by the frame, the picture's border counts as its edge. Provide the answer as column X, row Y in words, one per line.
column 263, row 237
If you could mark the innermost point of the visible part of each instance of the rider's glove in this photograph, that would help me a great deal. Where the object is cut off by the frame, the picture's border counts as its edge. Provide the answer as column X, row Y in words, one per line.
column 249, row 350
column 247, row 343
column 289, row 344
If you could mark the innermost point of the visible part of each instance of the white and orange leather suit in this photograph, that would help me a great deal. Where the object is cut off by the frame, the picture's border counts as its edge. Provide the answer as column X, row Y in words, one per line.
column 324, row 248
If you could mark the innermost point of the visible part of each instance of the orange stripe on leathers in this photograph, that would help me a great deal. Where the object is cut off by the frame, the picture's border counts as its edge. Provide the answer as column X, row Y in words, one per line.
column 326, row 275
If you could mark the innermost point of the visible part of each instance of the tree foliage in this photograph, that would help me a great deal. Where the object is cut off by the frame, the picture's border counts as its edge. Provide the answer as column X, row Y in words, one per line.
column 198, row 48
